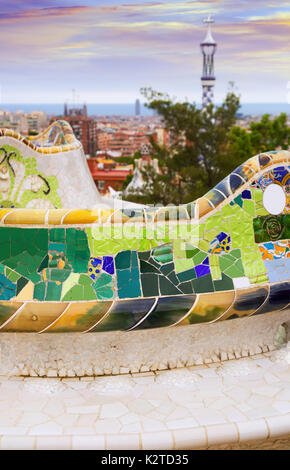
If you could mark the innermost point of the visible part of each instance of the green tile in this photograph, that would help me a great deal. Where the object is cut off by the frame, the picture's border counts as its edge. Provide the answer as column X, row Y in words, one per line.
column 167, row 268
column 149, row 285
column 148, row 268
column 12, row 275
column 21, row 283
column 75, row 293
column 53, row 291
column 187, row 275
column 123, row 260
column 203, row 284
column 225, row 283
column 225, row 261
column 167, row 287
column 39, row 291
column 59, row 275
column 199, row 258
column 57, row 235
column 186, row 287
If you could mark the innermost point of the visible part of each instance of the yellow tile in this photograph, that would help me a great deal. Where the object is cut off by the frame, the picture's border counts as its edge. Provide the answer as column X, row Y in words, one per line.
column 80, row 316
column 203, row 206
column 26, row 293
column 209, row 307
column 55, row 215
column 35, row 316
column 25, row 217
column 81, row 216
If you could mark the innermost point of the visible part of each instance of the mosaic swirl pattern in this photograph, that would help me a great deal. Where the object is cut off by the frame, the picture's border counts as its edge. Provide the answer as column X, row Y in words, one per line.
column 223, row 256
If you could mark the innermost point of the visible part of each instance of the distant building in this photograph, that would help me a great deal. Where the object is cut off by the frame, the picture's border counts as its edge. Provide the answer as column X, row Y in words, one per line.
column 31, row 123
column 127, row 142
column 137, row 183
column 75, row 111
column 36, row 121
column 104, row 140
column 86, row 131
column 162, row 137
column 106, row 173
column 85, row 128
column 137, row 108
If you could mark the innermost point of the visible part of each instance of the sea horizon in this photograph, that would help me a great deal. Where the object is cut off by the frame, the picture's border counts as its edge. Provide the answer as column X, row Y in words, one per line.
column 128, row 109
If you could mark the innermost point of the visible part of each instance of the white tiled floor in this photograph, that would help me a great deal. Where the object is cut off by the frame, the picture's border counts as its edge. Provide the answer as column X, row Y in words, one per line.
column 196, row 407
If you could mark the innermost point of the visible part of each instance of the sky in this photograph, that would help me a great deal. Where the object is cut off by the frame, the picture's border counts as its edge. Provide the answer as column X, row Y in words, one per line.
column 107, row 50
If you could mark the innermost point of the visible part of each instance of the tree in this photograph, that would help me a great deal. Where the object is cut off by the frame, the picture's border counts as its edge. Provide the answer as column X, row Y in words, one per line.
column 205, row 146
column 270, row 134
column 198, row 155
column 262, row 136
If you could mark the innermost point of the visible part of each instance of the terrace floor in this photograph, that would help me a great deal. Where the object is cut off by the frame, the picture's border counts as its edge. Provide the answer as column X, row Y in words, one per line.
column 242, row 403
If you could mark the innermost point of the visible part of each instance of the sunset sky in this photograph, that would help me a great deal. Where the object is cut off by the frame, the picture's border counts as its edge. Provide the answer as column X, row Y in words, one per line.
column 107, row 50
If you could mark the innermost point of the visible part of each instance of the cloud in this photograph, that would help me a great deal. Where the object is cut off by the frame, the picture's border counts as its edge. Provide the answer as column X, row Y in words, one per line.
column 125, row 45
column 42, row 13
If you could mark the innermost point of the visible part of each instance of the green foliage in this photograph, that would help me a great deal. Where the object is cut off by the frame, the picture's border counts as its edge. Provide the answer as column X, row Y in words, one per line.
column 262, row 136
column 205, row 146
column 198, row 154
column 127, row 181
column 270, row 134
column 129, row 160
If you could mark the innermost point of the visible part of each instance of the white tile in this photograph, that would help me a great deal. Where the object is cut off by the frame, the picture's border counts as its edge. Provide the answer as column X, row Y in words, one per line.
column 86, row 420
column 178, row 413
column 207, row 417
column 151, row 425
column 279, row 425
column 259, row 400
column 83, row 409
column 123, row 442
column 88, row 442
column 46, row 429
column 129, row 418
column 17, row 443
column 252, row 430
column 79, row 430
column 114, row 410
column 282, row 406
column 261, row 412
column 221, row 434
column 107, row 426
column 267, row 390
column 140, row 406
column 162, row 440
column 65, row 419
column 53, row 443
column 220, row 403
column 233, row 414
column 188, row 422
column 13, row 430
column 132, row 428
column 240, row 282
column 144, row 380
column 283, row 395
column 54, row 408
column 30, row 419
column 193, row 438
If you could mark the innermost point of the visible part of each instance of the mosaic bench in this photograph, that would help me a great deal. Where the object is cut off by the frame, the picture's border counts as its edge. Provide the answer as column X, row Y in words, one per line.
column 226, row 256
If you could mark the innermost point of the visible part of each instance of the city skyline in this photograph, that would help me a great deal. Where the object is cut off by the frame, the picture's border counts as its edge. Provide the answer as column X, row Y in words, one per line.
column 108, row 50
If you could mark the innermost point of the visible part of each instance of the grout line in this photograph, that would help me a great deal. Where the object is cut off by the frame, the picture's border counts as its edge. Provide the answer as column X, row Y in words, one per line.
column 238, row 432
column 268, row 428
column 206, row 435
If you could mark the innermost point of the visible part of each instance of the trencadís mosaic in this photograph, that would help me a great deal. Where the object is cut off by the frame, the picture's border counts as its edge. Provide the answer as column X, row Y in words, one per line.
column 223, row 256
